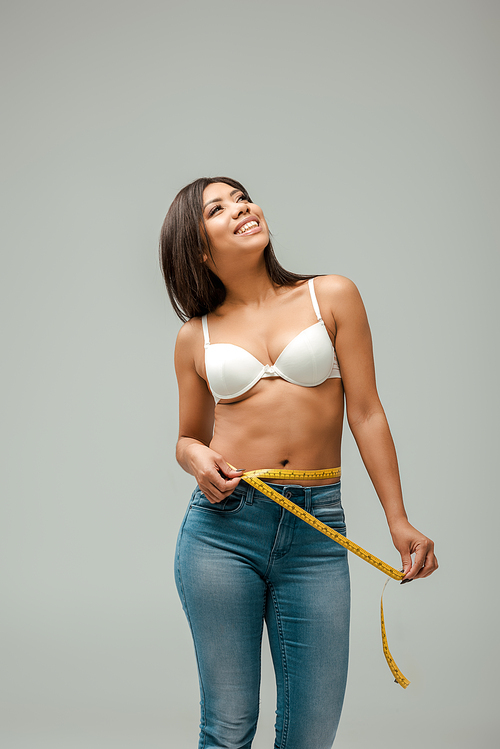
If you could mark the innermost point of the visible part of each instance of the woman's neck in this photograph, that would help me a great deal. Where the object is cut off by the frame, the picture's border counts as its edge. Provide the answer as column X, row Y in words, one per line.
column 247, row 286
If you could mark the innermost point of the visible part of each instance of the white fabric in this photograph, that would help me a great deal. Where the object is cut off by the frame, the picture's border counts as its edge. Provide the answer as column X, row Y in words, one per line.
column 308, row 360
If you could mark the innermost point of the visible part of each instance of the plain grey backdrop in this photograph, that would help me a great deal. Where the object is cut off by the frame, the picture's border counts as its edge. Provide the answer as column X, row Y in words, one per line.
column 368, row 132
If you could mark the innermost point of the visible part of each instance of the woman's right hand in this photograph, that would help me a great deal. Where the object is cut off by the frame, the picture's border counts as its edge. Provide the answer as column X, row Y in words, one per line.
column 216, row 479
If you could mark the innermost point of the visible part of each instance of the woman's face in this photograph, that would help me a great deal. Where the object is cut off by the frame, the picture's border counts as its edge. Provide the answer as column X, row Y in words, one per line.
column 234, row 225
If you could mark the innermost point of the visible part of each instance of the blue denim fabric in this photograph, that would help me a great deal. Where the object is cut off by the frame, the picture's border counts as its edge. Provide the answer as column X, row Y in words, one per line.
column 245, row 561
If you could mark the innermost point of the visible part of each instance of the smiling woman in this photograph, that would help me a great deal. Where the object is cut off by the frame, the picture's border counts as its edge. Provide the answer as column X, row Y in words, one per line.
column 265, row 361
column 193, row 289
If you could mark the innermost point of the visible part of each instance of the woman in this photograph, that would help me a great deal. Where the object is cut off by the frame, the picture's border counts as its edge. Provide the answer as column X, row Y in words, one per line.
column 264, row 362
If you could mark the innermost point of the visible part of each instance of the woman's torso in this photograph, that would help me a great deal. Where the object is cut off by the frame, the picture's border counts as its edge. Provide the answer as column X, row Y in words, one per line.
column 275, row 423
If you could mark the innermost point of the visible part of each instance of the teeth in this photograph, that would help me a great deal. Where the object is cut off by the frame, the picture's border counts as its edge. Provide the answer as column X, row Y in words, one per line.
column 246, row 227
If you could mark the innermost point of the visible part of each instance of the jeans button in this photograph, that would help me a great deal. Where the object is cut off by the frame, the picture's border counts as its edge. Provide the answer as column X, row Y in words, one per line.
column 288, row 495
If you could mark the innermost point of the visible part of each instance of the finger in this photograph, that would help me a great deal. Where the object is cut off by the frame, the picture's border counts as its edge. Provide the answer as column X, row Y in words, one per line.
column 406, row 561
column 228, row 471
column 213, row 494
column 223, row 485
column 209, row 493
column 213, row 499
column 231, row 484
column 216, row 487
column 211, row 479
column 430, row 565
column 207, row 483
column 418, row 563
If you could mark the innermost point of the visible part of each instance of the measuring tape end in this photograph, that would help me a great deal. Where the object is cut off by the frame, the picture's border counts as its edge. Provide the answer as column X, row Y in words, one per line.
column 402, row 682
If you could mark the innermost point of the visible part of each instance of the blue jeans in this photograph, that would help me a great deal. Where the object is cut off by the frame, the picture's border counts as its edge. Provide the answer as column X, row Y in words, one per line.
column 245, row 561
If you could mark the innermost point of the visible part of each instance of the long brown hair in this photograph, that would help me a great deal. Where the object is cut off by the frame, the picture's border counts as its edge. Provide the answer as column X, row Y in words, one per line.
column 194, row 289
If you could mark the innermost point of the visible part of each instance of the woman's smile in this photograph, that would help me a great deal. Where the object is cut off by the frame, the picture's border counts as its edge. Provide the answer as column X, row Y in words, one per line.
column 249, row 225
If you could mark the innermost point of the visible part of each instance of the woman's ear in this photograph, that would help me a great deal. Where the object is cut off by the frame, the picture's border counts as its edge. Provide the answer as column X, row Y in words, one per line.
column 204, row 258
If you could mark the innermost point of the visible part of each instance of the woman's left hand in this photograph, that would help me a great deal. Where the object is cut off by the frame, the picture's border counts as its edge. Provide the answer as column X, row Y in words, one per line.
column 408, row 541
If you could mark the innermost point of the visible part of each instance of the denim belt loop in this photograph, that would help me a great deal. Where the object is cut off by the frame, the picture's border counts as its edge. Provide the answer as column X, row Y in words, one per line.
column 249, row 494
column 307, row 499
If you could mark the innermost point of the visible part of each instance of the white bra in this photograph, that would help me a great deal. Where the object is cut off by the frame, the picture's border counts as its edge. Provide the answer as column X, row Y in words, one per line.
column 308, row 360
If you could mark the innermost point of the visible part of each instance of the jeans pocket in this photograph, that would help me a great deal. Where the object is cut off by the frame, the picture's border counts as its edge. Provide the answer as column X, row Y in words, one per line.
column 233, row 503
column 331, row 515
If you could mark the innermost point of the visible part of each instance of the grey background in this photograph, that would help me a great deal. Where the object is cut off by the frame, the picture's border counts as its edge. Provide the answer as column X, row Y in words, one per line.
column 368, row 131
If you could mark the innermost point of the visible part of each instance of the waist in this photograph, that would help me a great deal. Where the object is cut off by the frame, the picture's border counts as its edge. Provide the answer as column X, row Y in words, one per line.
column 293, row 477
column 323, row 494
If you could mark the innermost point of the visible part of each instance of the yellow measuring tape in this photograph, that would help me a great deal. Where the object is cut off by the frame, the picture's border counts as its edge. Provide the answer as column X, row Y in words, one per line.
column 254, row 478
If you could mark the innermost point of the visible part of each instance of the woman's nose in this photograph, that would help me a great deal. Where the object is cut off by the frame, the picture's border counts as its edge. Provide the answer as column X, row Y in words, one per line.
column 240, row 209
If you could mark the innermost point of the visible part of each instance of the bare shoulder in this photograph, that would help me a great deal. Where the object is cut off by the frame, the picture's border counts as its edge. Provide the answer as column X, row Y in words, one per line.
column 338, row 295
column 189, row 332
column 189, row 340
column 333, row 285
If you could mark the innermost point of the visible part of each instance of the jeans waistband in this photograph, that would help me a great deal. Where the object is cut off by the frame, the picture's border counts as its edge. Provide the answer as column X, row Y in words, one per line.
column 304, row 496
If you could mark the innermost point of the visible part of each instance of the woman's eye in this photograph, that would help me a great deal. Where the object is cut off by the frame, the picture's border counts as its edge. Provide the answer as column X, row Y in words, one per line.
column 242, row 197
column 213, row 210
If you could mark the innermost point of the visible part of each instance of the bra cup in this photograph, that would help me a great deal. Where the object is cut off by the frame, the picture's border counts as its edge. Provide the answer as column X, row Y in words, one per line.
column 308, row 358
column 231, row 370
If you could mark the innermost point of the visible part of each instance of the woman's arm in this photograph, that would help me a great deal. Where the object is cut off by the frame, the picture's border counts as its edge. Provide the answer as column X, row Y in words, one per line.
column 369, row 425
column 196, row 420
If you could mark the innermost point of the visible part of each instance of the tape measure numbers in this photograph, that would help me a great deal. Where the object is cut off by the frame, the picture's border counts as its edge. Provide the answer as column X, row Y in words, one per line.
column 254, row 478
column 398, row 676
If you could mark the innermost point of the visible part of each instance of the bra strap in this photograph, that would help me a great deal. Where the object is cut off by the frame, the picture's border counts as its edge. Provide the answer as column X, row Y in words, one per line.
column 205, row 330
column 314, row 300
